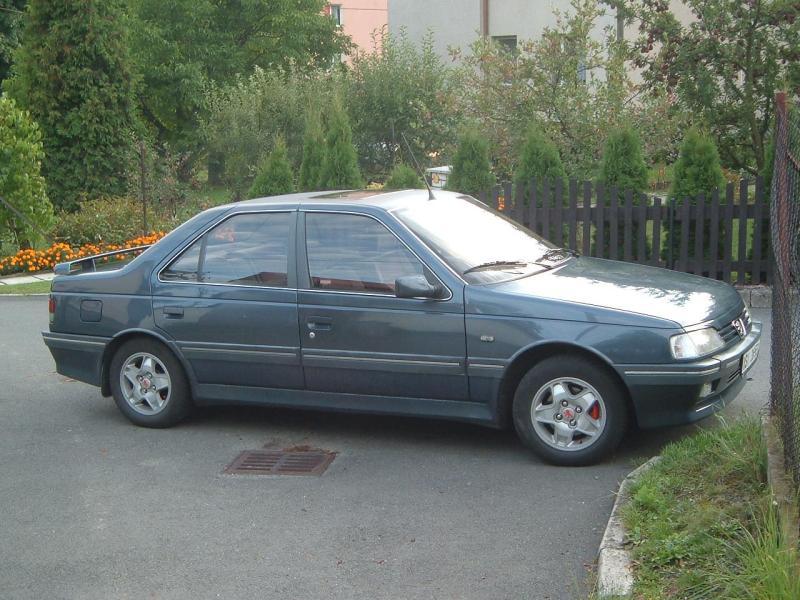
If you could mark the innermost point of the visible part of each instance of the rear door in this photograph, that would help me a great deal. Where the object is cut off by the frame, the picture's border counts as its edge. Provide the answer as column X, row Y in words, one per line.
column 357, row 337
column 229, row 301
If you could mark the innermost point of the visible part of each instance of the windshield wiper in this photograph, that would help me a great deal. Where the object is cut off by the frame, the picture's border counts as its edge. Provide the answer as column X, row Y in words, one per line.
column 497, row 263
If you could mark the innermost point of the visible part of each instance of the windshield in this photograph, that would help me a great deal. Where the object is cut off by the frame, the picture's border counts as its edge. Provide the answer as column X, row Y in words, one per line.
column 474, row 240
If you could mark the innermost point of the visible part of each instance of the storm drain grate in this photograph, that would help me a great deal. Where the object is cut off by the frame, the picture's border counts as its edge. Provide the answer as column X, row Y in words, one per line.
column 280, row 462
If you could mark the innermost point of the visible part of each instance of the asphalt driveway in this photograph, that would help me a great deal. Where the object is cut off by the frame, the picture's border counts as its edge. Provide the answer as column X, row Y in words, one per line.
column 93, row 507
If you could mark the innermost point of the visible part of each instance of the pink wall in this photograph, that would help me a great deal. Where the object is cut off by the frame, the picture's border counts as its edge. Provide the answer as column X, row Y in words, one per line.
column 360, row 18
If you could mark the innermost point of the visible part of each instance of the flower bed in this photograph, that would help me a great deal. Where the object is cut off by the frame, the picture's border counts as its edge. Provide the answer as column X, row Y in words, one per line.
column 31, row 261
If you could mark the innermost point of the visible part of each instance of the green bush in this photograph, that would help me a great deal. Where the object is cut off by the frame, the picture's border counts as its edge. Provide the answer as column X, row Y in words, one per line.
column 623, row 164
column 22, row 187
column 538, row 160
column 112, row 220
column 403, row 177
column 340, row 169
column 276, row 176
column 313, row 151
column 697, row 171
column 74, row 74
column 623, row 168
column 472, row 170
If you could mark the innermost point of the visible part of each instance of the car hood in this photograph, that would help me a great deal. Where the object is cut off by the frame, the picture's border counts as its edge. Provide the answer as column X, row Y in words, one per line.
column 659, row 293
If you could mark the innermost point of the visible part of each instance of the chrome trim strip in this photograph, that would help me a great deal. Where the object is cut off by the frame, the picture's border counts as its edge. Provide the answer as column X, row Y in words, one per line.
column 389, row 229
column 702, row 408
column 483, row 366
column 385, row 360
column 73, row 340
column 232, row 351
column 705, row 372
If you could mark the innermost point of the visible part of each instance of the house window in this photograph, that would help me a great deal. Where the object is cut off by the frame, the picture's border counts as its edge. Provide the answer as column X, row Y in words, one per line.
column 506, row 42
column 336, row 13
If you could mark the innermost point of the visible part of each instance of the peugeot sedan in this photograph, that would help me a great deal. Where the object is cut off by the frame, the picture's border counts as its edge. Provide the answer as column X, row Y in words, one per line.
column 403, row 304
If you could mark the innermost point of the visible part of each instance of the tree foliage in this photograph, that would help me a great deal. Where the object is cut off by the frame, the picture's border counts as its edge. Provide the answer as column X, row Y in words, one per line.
column 244, row 119
column 403, row 177
column 472, row 168
column 11, row 15
column 182, row 46
column 21, row 185
column 313, row 151
column 698, row 167
column 623, row 165
column 539, row 159
column 724, row 66
column 276, row 175
column 404, row 88
column 72, row 72
column 340, row 168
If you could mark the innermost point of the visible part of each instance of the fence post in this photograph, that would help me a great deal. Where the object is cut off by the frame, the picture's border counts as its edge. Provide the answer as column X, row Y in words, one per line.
column 671, row 232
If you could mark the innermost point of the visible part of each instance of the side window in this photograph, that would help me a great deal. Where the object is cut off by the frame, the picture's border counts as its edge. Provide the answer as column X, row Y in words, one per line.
column 355, row 254
column 248, row 249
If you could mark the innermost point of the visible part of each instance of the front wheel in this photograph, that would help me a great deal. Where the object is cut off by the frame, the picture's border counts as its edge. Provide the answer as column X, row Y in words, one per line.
column 570, row 411
column 148, row 384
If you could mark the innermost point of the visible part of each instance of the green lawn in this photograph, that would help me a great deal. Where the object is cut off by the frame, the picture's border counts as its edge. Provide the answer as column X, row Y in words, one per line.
column 702, row 525
column 40, row 287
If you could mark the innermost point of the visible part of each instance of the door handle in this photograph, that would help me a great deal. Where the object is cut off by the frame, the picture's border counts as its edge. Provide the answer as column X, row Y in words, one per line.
column 173, row 312
column 319, row 324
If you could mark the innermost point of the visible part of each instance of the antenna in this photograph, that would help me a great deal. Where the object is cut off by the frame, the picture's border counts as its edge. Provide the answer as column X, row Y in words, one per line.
column 419, row 169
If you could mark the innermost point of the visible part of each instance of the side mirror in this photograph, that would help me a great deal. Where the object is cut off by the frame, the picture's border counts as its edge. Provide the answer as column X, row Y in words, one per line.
column 416, row 286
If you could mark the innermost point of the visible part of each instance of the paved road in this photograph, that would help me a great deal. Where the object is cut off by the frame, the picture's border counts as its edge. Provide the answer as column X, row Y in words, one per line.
column 93, row 507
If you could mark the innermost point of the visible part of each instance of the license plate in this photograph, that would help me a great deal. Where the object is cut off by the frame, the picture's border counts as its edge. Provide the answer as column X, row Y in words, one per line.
column 749, row 358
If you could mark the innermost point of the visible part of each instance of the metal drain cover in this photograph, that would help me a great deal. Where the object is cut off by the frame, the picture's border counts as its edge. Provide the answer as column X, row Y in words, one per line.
column 281, row 462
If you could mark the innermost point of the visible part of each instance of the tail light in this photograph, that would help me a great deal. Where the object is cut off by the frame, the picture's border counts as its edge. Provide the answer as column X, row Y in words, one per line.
column 51, row 307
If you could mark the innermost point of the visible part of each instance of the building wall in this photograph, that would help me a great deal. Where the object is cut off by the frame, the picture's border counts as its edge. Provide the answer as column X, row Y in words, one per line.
column 363, row 18
column 457, row 23
column 453, row 22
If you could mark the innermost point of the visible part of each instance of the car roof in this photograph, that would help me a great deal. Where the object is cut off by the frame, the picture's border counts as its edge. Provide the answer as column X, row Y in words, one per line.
column 385, row 200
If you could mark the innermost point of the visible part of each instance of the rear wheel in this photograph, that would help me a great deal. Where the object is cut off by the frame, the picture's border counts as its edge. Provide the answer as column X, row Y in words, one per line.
column 570, row 411
column 148, row 384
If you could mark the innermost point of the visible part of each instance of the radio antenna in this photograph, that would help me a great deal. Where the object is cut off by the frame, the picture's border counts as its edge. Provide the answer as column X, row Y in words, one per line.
column 419, row 169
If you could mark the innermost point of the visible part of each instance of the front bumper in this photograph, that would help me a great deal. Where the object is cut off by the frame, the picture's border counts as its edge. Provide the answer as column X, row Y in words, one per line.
column 686, row 392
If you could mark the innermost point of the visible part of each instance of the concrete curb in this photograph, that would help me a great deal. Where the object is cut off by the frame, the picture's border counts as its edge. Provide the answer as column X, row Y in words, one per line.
column 783, row 495
column 614, row 576
column 20, row 279
column 756, row 296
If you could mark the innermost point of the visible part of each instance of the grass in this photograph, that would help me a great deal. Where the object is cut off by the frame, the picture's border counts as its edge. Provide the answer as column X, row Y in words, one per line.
column 40, row 287
column 702, row 524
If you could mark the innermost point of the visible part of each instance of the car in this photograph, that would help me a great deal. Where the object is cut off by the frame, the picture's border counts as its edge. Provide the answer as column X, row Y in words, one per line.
column 400, row 303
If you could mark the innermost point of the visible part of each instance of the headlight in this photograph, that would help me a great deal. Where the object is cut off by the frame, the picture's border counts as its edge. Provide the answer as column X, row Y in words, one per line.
column 695, row 343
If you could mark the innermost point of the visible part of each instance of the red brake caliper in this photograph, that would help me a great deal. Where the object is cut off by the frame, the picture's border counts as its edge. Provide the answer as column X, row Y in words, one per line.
column 594, row 412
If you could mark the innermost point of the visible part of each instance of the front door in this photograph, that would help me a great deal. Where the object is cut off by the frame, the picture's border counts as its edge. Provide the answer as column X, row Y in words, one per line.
column 230, row 303
column 356, row 336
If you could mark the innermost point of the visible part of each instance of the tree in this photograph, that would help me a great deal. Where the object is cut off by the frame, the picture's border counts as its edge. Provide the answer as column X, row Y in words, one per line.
column 698, row 169
column 403, row 177
column 182, row 46
column 313, row 151
column 340, row 168
column 11, row 14
column 724, row 66
column 623, row 164
column 72, row 72
column 539, row 160
column 696, row 172
column 25, row 210
column 276, row 174
column 472, row 169
column 402, row 89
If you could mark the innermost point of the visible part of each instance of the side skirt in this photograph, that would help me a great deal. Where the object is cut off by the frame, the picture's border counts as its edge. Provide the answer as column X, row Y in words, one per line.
column 471, row 412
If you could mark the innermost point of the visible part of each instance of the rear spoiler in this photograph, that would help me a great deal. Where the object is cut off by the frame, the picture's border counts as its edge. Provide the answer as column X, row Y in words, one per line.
column 88, row 264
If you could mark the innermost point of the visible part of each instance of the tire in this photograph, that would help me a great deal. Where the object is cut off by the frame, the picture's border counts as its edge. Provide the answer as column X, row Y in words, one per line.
column 149, row 363
column 596, row 405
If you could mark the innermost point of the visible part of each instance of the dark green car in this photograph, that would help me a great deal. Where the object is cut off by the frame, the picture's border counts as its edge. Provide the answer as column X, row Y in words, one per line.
column 396, row 303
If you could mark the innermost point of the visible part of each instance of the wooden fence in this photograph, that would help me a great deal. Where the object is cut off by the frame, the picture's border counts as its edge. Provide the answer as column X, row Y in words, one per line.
column 724, row 235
